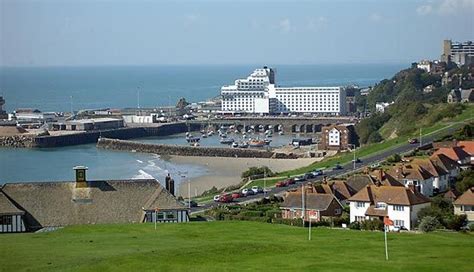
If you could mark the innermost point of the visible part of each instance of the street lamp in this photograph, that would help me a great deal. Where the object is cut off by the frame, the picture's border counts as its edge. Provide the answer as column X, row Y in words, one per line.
column 354, row 148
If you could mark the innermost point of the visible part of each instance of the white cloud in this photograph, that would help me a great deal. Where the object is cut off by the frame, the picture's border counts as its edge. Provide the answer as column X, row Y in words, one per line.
column 424, row 10
column 375, row 17
column 448, row 7
column 285, row 25
column 317, row 23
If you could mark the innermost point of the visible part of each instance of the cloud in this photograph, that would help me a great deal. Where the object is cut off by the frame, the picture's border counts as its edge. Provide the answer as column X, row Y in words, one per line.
column 424, row 10
column 375, row 17
column 317, row 23
column 448, row 7
column 284, row 25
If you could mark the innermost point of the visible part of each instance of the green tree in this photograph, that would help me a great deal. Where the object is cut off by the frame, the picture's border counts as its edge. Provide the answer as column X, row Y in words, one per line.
column 429, row 224
column 465, row 180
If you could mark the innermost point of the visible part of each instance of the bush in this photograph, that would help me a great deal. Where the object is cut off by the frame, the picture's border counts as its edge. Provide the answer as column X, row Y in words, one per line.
column 354, row 225
column 273, row 213
column 471, row 226
column 428, row 223
column 252, row 213
column 394, row 158
column 291, row 222
column 456, row 222
column 343, row 219
column 257, row 171
column 374, row 224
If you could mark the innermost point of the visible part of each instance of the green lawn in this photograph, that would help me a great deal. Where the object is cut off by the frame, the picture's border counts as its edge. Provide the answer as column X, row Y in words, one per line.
column 231, row 245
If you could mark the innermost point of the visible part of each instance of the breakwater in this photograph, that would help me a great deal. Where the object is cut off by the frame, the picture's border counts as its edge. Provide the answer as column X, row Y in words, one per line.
column 87, row 137
column 17, row 141
column 162, row 149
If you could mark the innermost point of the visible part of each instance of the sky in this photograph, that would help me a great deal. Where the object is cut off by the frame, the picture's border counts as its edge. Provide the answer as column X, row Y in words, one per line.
column 90, row 33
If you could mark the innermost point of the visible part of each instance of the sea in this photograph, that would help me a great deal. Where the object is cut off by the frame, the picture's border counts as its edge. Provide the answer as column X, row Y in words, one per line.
column 61, row 89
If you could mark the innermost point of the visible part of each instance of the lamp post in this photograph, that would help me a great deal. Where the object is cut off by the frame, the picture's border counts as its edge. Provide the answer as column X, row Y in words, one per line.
column 354, row 148
column 183, row 175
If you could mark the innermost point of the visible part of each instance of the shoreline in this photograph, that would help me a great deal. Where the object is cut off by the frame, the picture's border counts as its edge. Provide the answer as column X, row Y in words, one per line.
column 224, row 171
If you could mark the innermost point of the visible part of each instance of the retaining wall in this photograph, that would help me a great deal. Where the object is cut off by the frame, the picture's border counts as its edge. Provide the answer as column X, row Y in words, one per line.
column 17, row 141
column 189, row 150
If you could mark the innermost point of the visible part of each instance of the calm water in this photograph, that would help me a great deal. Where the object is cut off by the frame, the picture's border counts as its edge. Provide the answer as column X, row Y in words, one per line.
column 50, row 89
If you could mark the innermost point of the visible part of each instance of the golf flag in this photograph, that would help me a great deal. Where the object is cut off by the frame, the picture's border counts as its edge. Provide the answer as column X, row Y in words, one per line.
column 387, row 221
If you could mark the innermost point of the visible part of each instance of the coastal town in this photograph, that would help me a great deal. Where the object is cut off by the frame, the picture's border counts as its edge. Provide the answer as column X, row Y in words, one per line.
column 269, row 173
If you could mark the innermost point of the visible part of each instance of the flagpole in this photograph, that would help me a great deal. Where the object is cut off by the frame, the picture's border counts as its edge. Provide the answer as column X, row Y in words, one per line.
column 156, row 217
column 309, row 232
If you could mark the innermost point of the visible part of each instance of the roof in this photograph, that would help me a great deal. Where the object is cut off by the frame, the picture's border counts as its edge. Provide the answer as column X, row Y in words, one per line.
column 313, row 201
column 358, row 182
column 7, row 207
column 467, row 146
column 431, row 167
column 394, row 195
column 409, row 171
column 467, row 198
column 455, row 153
column 444, row 162
column 372, row 211
column 61, row 203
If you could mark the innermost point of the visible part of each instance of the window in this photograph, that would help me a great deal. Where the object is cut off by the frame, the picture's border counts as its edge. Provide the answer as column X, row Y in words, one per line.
column 399, row 223
column 380, row 205
column 398, row 208
column 170, row 215
column 6, row 220
column 360, row 204
column 359, row 218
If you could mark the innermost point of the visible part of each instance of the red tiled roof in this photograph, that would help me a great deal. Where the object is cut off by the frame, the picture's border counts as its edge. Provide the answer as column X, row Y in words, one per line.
column 455, row 153
column 467, row 146
column 394, row 195
column 467, row 198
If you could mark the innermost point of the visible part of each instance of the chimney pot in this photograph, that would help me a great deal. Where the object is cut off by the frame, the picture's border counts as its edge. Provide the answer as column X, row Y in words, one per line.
column 81, row 181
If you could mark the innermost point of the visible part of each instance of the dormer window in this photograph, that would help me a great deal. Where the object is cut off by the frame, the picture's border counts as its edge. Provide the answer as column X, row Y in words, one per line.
column 380, row 205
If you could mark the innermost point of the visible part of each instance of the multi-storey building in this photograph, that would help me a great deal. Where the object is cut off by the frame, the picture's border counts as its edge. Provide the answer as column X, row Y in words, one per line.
column 338, row 137
column 457, row 52
column 258, row 94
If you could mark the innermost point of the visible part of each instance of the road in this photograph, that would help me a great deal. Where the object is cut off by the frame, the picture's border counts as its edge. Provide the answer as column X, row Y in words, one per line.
column 347, row 168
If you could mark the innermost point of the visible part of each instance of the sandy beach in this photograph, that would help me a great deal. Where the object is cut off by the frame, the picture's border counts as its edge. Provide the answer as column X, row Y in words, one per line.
column 223, row 172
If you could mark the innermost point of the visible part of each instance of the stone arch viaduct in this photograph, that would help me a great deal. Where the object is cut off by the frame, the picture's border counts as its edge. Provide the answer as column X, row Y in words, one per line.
column 308, row 125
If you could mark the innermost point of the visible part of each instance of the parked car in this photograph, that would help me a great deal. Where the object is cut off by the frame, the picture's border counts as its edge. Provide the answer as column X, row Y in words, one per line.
column 281, row 184
column 375, row 165
column 216, row 198
column 257, row 190
column 247, row 192
column 236, row 195
column 225, row 198
column 191, row 203
column 317, row 173
column 337, row 167
column 308, row 176
column 413, row 141
column 290, row 181
column 299, row 179
column 357, row 160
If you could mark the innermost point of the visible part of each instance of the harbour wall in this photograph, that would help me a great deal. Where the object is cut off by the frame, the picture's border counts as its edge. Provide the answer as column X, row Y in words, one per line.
column 162, row 149
column 88, row 137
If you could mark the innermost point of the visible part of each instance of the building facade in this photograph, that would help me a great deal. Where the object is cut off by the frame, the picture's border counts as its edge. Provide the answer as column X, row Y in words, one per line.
column 338, row 137
column 258, row 94
column 460, row 53
column 465, row 204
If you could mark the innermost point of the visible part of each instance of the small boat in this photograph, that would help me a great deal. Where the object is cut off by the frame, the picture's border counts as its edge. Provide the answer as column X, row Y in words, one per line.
column 280, row 133
column 256, row 143
column 226, row 140
column 196, row 144
column 267, row 141
column 210, row 133
column 187, row 134
column 204, row 136
column 235, row 145
column 192, row 139
column 223, row 135
column 243, row 145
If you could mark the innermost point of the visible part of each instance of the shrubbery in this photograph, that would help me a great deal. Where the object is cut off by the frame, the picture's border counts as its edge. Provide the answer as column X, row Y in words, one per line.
column 257, row 172
column 374, row 224
column 428, row 223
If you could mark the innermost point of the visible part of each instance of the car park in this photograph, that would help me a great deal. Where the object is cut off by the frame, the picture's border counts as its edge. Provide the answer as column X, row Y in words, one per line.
column 257, row 190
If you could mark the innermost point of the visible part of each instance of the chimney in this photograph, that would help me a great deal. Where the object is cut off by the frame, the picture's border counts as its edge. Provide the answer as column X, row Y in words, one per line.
column 169, row 184
column 381, row 175
column 81, row 181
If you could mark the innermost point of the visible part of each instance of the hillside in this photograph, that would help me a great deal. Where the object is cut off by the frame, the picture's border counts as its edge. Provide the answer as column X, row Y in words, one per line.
column 412, row 108
column 231, row 246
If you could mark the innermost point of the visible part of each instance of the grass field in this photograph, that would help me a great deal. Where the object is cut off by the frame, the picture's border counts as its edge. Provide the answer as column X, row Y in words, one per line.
column 233, row 246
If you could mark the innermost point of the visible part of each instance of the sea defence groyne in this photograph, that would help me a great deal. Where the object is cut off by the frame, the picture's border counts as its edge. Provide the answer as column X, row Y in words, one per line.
column 199, row 151
column 87, row 137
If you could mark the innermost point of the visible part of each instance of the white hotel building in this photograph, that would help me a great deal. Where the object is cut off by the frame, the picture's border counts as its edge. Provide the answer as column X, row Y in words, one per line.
column 258, row 94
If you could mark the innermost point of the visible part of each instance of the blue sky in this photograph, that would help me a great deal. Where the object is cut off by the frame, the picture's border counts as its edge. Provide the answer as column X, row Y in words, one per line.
column 84, row 32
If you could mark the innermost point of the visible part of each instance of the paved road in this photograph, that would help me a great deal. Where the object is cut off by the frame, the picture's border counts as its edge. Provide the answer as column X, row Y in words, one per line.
column 347, row 168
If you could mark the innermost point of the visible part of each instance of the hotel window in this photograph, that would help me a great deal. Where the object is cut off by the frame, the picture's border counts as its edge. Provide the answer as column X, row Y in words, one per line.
column 398, row 208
